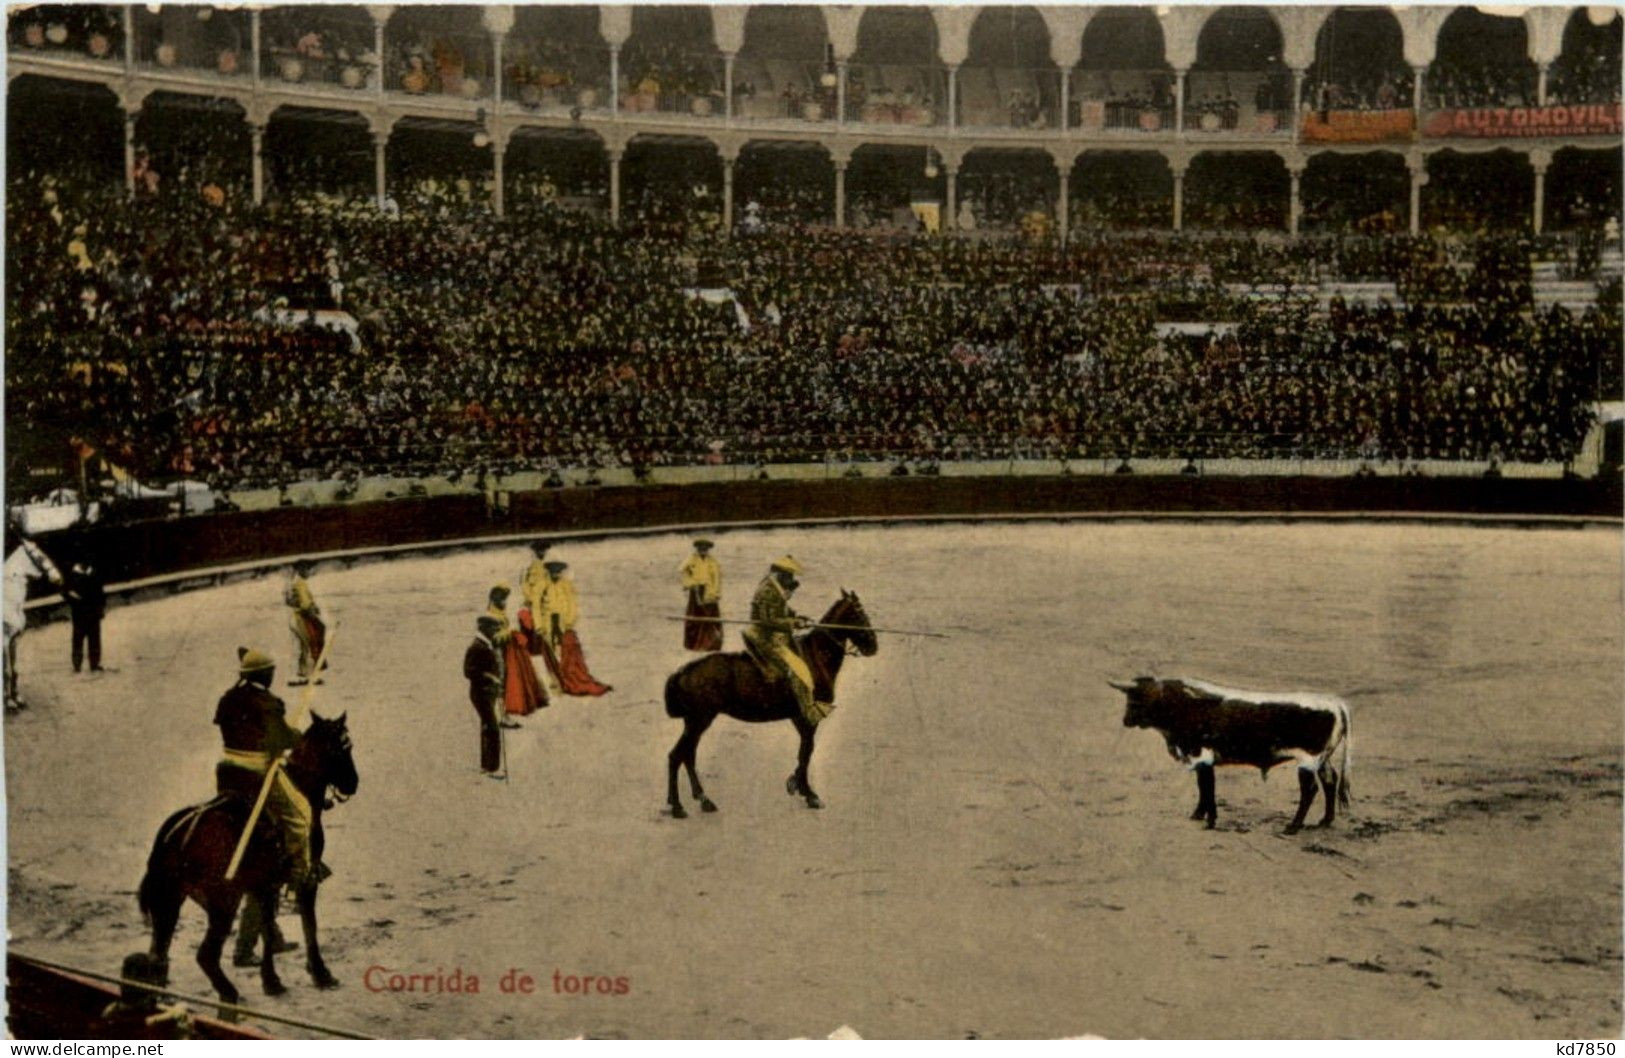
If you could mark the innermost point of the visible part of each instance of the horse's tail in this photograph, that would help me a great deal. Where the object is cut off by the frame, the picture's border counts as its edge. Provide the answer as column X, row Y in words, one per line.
column 146, row 895
column 676, row 699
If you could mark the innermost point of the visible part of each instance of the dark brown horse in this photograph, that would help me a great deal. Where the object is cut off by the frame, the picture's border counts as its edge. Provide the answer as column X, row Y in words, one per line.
column 195, row 845
column 735, row 685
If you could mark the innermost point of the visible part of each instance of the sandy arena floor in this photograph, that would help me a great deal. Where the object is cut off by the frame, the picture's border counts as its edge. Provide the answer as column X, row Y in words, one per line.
column 998, row 854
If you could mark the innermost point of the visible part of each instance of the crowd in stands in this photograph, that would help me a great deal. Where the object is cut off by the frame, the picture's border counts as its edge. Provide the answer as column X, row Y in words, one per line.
column 1589, row 73
column 550, row 340
column 1370, row 89
column 670, row 75
column 1468, row 80
column 85, row 28
column 547, row 71
column 1004, row 201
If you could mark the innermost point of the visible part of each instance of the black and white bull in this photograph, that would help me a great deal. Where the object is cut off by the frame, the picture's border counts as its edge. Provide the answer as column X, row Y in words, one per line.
column 1206, row 725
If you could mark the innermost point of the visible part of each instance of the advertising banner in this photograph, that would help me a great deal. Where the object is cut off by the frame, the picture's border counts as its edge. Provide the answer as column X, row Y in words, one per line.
column 1358, row 126
column 1589, row 119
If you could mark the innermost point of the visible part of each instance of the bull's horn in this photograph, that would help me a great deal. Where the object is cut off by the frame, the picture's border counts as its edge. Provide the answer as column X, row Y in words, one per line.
column 1124, row 687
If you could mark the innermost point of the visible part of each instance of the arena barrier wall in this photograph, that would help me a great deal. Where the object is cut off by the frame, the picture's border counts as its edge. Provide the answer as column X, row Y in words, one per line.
column 135, row 555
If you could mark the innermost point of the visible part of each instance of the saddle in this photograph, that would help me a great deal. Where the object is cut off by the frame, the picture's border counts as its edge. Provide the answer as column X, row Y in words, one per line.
column 772, row 671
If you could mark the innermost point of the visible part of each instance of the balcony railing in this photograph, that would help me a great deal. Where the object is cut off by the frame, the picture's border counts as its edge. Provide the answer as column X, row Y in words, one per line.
column 672, row 81
column 90, row 31
column 449, row 64
column 556, row 78
column 1123, row 114
column 293, row 67
column 784, row 90
column 1001, row 97
column 897, row 95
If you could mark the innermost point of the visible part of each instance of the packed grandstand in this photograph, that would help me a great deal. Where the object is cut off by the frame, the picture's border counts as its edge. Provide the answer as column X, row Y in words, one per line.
column 442, row 241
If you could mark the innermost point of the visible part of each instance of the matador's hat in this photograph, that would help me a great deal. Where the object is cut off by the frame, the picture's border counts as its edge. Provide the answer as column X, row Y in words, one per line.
column 787, row 564
column 702, row 543
column 252, row 661
column 555, row 566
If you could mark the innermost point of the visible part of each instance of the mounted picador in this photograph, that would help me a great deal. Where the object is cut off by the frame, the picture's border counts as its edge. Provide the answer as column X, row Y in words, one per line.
column 262, row 831
column 1206, row 725
column 783, row 676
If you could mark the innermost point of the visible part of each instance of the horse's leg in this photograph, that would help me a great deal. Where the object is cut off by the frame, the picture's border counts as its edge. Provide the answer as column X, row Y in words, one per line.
column 696, row 731
column 673, row 760
column 799, row 783
column 166, row 913
column 11, row 672
column 264, row 904
column 221, row 916
column 319, row 973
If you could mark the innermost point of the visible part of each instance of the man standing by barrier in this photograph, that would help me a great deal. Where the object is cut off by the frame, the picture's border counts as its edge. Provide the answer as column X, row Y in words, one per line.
column 702, row 579
column 86, row 596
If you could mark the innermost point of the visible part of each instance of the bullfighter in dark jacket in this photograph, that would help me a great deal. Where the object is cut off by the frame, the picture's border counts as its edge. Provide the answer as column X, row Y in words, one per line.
column 483, row 669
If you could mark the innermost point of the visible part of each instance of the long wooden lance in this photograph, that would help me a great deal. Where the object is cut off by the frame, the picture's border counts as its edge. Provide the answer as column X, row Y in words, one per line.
column 845, row 628
column 276, row 765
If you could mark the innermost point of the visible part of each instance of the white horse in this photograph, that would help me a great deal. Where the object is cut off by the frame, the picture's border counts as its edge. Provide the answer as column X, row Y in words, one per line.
column 26, row 564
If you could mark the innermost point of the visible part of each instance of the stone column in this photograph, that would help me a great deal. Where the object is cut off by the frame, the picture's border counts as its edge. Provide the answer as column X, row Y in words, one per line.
column 728, row 161
column 1179, row 195
column 129, row 40
column 1295, row 201
column 953, row 102
column 1179, row 103
column 378, row 50
column 1066, row 101
column 254, row 43
column 1540, row 161
column 614, row 81
column 499, row 152
column 1419, row 178
column 840, row 92
column 840, row 193
column 256, row 135
column 951, row 199
column 129, row 147
column 496, row 74
column 1063, row 205
column 615, row 185
column 1540, row 86
column 380, row 143
column 1297, row 97
column 1418, row 92
column 728, row 85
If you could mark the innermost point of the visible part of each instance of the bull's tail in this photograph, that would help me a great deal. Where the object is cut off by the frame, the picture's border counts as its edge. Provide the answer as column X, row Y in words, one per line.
column 676, row 707
column 1343, row 755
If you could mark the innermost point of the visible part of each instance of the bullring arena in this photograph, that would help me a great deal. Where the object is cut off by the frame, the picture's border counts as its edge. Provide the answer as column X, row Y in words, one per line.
column 998, row 856
column 1277, row 347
